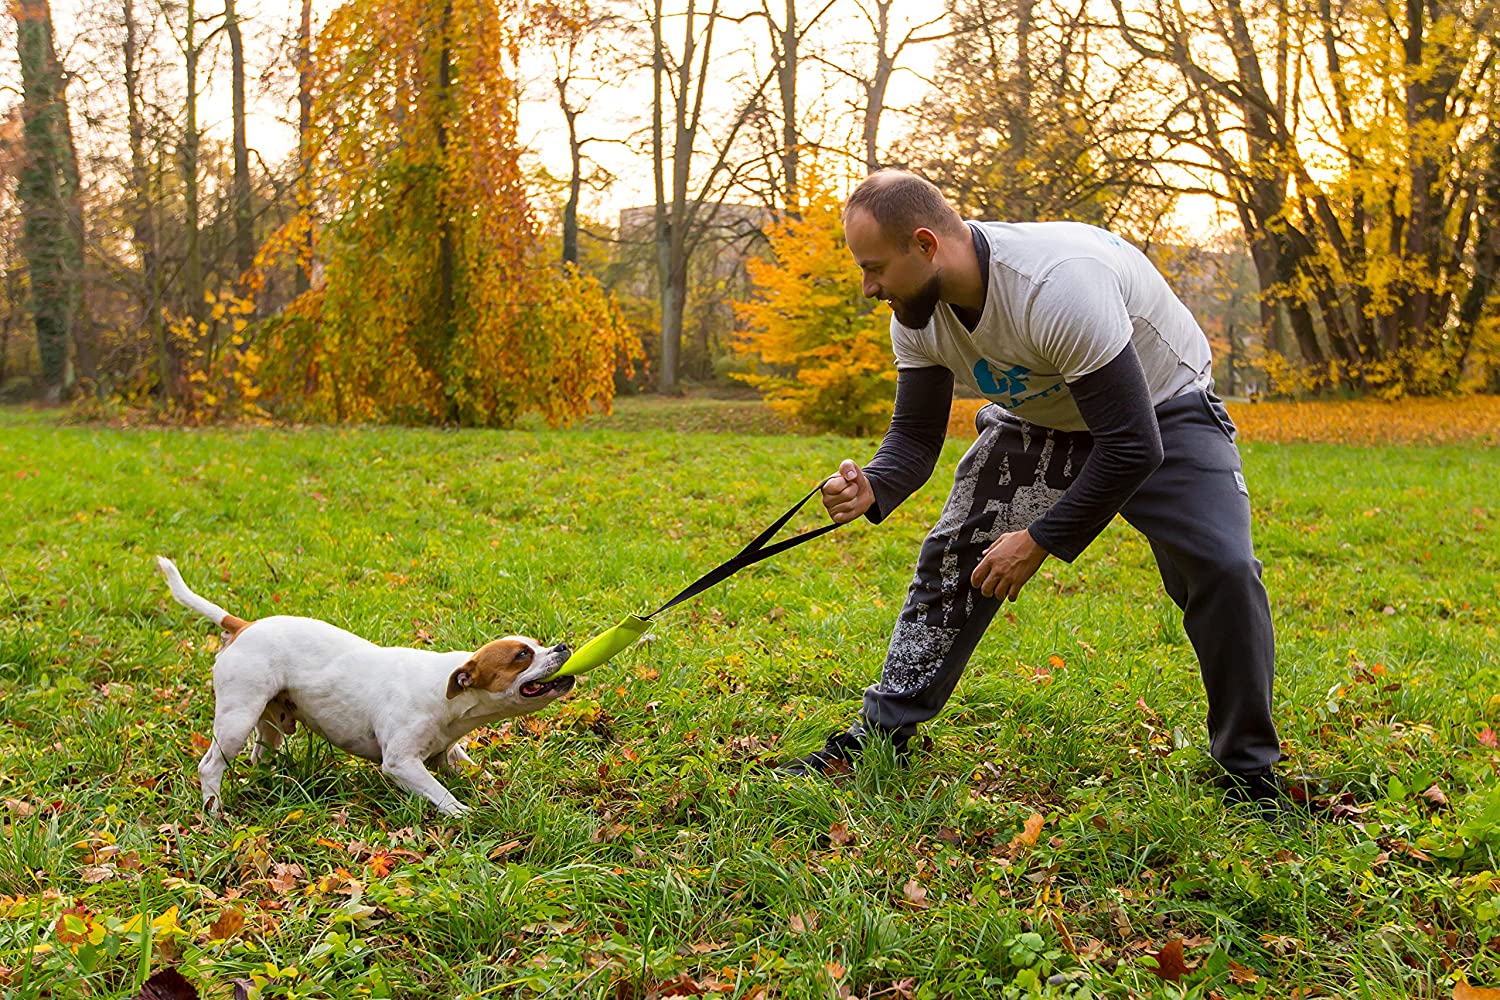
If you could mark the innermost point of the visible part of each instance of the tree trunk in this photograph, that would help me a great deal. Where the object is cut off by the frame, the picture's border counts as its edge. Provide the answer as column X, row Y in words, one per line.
column 143, row 222
column 787, row 78
column 304, row 142
column 875, row 88
column 193, row 265
column 52, row 236
column 446, row 255
column 244, row 222
column 575, row 179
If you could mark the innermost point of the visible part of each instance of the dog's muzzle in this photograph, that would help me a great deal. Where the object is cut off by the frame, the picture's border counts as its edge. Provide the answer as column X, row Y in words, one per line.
column 560, row 685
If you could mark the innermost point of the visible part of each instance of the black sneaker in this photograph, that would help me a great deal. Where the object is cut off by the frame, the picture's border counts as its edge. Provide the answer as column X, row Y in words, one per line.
column 1265, row 790
column 839, row 754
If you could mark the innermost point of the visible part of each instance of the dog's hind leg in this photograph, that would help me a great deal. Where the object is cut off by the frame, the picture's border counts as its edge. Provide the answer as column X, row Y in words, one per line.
column 234, row 723
column 276, row 723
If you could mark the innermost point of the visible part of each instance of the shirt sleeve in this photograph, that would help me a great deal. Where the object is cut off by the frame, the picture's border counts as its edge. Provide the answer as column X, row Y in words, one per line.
column 1116, row 406
column 1077, row 318
column 910, row 348
column 909, row 451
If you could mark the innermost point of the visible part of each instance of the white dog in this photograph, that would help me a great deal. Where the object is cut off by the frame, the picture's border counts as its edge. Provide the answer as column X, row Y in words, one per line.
column 401, row 708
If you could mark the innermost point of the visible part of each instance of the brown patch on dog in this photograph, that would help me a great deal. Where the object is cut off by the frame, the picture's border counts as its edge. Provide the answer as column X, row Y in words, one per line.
column 232, row 627
column 493, row 667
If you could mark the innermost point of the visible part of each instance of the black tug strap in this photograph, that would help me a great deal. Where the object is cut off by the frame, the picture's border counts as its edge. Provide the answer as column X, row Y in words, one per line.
column 753, row 553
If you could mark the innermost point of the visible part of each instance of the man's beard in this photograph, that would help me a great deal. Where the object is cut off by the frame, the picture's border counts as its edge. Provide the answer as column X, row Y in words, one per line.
column 916, row 312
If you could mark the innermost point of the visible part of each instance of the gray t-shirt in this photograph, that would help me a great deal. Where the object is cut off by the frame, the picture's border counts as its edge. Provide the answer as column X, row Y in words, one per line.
column 1064, row 298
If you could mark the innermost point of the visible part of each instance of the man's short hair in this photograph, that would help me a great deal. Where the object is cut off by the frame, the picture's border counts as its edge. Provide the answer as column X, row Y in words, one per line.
column 901, row 203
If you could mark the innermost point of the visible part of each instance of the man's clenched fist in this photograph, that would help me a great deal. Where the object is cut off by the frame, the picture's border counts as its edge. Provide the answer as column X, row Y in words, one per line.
column 848, row 494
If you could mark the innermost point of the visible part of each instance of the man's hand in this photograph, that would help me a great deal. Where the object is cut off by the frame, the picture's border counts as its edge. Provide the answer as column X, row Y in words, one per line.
column 1008, row 563
column 848, row 494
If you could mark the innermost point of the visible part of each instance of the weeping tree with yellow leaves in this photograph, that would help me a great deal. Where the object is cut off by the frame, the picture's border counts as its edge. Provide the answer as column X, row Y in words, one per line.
column 437, row 303
column 818, row 350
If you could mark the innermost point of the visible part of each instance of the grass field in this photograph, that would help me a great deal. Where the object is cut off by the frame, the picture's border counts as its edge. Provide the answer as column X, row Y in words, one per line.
column 629, row 843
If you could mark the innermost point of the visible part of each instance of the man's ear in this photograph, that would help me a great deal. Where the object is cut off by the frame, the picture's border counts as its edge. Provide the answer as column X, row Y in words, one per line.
column 460, row 679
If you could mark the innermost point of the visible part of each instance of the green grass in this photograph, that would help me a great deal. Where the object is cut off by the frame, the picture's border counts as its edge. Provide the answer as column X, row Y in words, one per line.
column 629, row 842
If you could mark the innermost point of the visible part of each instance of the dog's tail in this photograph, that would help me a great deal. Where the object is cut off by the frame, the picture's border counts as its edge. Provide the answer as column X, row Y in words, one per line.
column 208, row 609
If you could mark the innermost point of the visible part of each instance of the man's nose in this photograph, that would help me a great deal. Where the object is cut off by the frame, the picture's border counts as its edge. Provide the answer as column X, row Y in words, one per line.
column 871, row 290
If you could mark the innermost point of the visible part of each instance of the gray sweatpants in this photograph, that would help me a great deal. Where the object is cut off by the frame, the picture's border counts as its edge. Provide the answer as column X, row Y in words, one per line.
column 1195, row 512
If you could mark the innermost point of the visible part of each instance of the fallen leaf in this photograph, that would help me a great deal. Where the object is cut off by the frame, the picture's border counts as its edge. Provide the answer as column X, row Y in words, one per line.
column 1030, row 831
column 201, row 743
column 835, row 971
column 1463, row 991
column 1487, row 737
column 915, row 893
column 504, row 848
column 168, row 984
column 1057, row 662
column 840, row 834
column 801, row 923
column 1169, row 962
column 1435, row 795
column 381, row 864
column 227, row 926
column 20, row 807
column 94, row 874
column 284, row 878
column 1241, row 975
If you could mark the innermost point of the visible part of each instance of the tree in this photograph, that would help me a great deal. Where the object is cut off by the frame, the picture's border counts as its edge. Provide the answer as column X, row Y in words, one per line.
column 873, row 78
column 1024, row 122
column 686, row 205
column 821, row 350
column 433, row 310
column 49, row 191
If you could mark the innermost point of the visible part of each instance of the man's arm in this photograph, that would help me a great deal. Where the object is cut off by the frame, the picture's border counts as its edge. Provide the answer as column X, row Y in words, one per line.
column 910, row 449
column 907, row 454
column 1116, row 405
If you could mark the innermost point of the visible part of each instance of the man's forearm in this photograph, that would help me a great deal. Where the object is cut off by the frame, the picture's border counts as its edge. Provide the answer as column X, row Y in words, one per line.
column 1116, row 406
column 910, row 449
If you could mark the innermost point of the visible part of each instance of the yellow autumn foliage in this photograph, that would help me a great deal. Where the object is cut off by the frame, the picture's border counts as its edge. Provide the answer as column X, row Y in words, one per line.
column 819, row 350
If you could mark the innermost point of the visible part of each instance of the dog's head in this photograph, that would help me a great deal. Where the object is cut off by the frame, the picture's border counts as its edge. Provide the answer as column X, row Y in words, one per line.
column 513, row 673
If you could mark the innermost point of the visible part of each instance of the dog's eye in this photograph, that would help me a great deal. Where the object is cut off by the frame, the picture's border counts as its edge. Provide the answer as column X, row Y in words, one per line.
column 524, row 654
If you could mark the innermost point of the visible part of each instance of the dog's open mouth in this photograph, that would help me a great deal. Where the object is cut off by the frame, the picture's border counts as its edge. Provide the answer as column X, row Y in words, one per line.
column 538, row 688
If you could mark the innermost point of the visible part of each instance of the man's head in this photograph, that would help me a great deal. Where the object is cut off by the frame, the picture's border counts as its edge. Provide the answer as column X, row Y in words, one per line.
column 896, row 225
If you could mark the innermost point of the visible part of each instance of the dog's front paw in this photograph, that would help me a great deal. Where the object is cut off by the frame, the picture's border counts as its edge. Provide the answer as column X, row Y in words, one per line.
column 456, row 809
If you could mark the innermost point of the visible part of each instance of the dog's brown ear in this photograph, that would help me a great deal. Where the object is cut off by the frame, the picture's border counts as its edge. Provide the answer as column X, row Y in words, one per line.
column 460, row 680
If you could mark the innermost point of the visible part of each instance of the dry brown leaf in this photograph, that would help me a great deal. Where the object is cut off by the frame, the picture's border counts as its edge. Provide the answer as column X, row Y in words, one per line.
column 1463, row 991
column 1169, row 961
column 20, row 807
column 504, row 848
column 835, row 971
column 1435, row 796
column 227, row 926
column 94, row 874
column 915, row 893
column 1240, row 975
column 841, row 835
column 802, row 923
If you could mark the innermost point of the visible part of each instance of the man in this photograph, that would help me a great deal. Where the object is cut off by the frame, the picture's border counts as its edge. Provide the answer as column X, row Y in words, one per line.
column 1102, row 380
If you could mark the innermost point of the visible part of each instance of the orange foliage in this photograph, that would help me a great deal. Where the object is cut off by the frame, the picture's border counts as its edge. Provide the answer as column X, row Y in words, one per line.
column 1471, row 419
column 821, row 350
column 435, row 305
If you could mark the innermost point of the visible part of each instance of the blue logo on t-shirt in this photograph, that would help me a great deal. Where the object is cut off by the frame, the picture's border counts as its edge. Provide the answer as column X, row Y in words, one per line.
column 1009, row 382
